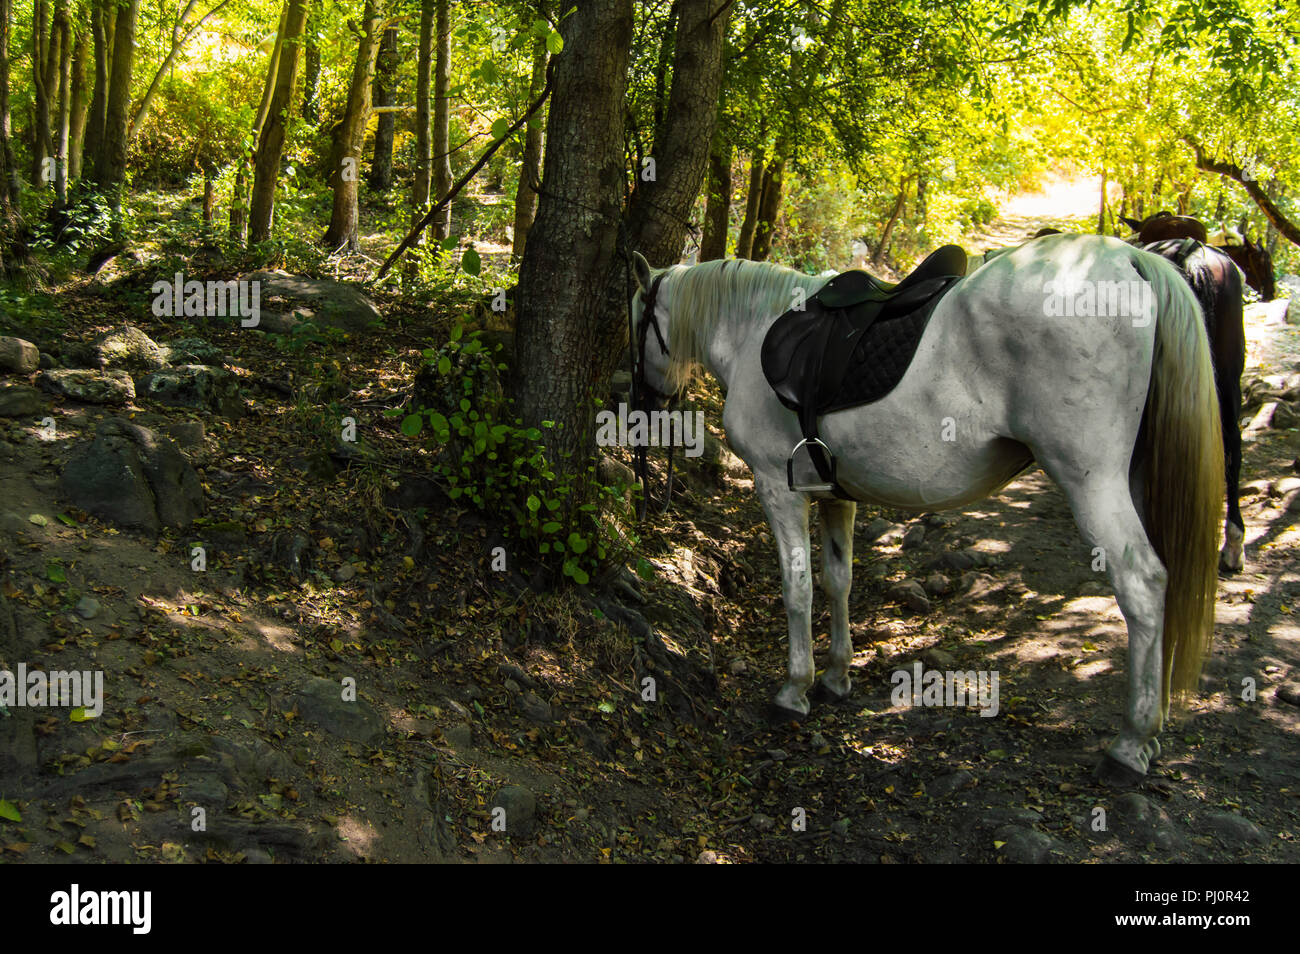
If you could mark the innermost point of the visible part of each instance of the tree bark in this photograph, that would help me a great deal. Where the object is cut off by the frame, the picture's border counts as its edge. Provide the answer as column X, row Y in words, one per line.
column 423, row 145
column 238, row 209
column 103, row 14
column 270, row 139
column 530, row 167
column 80, row 104
column 745, row 240
column 442, row 117
column 10, row 184
column 311, row 72
column 769, row 207
column 180, row 36
column 349, row 135
column 1285, row 227
column 385, row 94
column 717, row 210
column 882, row 246
column 63, row 27
column 110, row 164
column 566, row 339
column 45, row 63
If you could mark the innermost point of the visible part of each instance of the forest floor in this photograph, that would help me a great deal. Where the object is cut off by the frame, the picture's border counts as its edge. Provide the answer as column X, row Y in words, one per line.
column 475, row 692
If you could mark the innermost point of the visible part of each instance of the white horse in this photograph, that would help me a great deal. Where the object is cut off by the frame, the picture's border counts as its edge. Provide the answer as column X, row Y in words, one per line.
column 1119, row 410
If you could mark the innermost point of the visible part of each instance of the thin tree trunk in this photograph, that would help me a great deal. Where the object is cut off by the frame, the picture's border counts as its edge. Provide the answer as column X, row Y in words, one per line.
column 768, row 210
column 238, row 208
column 745, row 240
column 63, row 26
column 10, row 183
column 180, row 36
column 423, row 144
column 1288, row 229
column 80, row 104
column 270, row 139
column 530, row 167
column 45, row 55
column 311, row 71
column 349, row 135
column 442, row 117
column 110, row 165
column 385, row 94
column 272, row 73
column 717, row 210
column 878, row 256
column 1101, row 206
column 103, row 13
column 566, row 340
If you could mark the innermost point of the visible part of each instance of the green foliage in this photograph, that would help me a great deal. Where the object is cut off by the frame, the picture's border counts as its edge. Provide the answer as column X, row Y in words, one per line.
column 571, row 522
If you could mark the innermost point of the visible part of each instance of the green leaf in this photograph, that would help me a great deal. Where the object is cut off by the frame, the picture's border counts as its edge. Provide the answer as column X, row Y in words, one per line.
column 9, row 811
column 576, row 543
column 80, row 714
column 499, row 128
column 54, row 573
column 444, row 365
column 450, row 242
column 606, row 706
column 412, row 424
column 550, row 527
column 554, row 43
column 470, row 263
column 64, row 519
column 533, row 503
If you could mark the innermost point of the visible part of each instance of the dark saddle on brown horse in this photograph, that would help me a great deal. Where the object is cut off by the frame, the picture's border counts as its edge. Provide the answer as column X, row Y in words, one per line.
column 850, row 345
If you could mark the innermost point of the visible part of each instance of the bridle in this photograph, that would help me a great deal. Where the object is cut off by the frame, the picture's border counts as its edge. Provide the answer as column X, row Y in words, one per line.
column 644, row 395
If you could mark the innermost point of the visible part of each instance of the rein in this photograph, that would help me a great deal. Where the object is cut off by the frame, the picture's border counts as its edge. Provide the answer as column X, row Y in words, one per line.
column 643, row 394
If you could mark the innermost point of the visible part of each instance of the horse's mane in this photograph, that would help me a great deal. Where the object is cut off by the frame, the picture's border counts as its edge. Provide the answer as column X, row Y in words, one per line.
column 698, row 297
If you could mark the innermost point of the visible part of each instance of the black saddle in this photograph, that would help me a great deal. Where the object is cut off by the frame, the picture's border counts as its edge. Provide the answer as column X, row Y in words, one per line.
column 851, row 345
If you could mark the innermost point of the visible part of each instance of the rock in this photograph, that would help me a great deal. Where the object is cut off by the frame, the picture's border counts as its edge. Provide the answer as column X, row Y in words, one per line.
column 121, row 349
column 1289, row 692
column 914, row 537
column 936, row 584
column 884, row 533
column 1024, row 846
column 520, row 807
column 707, row 857
column 344, row 573
column 760, row 822
column 945, row 785
column 1285, row 417
column 737, row 666
column 939, row 659
column 511, row 671
column 321, row 701
column 912, row 595
column 19, row 400
column 195, row 386
column 959, row 560
column 332, row 303
column 47, row 361
column 460, row 736
column 1284, row 486
column 131, row 477
column 611, row 472
column 186, row 433
column 980, row 586
column 89, row 387
column 817, row 741
column 719, row 461
column 1000, row 816
column 1234, row 829
column 534, row 707
column 18, row 355
column 206, row 789
column 87, row 607
column 192, row 351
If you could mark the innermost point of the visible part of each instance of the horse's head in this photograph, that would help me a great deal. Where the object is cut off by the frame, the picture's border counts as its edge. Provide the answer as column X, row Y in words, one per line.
column 650, row 336
column 1259, row 269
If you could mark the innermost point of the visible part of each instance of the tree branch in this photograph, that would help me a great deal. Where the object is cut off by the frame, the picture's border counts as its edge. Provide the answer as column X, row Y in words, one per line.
column 1231, row 170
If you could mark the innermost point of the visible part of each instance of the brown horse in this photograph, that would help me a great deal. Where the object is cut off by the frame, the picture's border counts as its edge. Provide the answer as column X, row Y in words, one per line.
column 1252, row 258
column 1166, row 225
column 1256, row 264
column 1217, row 285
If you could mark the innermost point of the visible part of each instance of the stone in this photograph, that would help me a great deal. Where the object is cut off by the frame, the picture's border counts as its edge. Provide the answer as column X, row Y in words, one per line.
column 186, row 433
column 914, row 537
column 980, row 586
column 1233, row 828
column 520, row 807
column 332, row 303
column 192, row 351
column 888, row 535
column 761, row 822
column 131, row 477
column 87, row 607
column 460, row 736
column 121, row 349
column 89, row 387
column 945, row 785
column 344, row 573
column 18, row 356
column 195, row 386
column 19, row 400
column 1024, row 846
column 936, row 584
column 999, row 816
column 737, row 666
column 939, row 659
column 534, row 707
column 959, row 560
column 912, row 595
column 321, row 701
column 1289, row 692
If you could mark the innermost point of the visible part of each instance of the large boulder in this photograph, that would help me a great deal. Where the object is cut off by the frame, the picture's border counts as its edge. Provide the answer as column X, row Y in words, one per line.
column 121, row 349
column 89, row 387
column 19, row 400
column 325, row 302
column 195, row 386
column 131, row 477
column 18, row 355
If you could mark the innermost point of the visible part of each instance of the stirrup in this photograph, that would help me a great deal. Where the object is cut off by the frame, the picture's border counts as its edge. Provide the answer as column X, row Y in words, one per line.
column 810, row 488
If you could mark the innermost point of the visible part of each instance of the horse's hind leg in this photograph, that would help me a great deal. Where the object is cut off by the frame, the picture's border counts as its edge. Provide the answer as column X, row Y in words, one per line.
column 1107, row 518
column 837, row 576
column 787, row 512
column 1231, row 558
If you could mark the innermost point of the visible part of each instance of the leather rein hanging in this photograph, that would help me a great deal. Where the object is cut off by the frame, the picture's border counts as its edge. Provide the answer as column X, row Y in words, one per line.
column 644, row 394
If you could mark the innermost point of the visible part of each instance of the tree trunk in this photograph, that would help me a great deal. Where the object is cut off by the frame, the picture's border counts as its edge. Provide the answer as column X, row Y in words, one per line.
column 311, row 72
column 10, row 184
column 110, row 164
column 270, row 139
column 273, row 73
column 769, row 207
column 63, row 27
column 349, row 135
column 103, row 13
column 1286, row 228
column 745, row 240
column 385, row 94
column 423, row 145
column 442, row 118
column 45, row 56
column 882, row 246
column 1101, row 207
column 238, row 210
column 717, row 210
column 209, row 197
column 530, row 167
column 566, row 339
column 180, row 36
column 80, row 104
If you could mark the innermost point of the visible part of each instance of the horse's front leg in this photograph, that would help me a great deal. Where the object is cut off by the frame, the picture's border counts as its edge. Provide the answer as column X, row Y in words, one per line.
column 787, row 512
column 837, row 576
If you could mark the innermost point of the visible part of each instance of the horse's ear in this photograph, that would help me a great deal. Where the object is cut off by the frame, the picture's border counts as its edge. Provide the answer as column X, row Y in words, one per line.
column 1134, row 224
column 642, row 269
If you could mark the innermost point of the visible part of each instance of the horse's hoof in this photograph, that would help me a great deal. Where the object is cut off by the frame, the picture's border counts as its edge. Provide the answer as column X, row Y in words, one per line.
column 1116, row 774
column 1227, row 567
column 823, row 693
column 781, row 716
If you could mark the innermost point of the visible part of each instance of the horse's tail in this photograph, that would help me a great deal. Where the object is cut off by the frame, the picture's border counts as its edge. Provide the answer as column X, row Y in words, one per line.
column 1181, row 448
